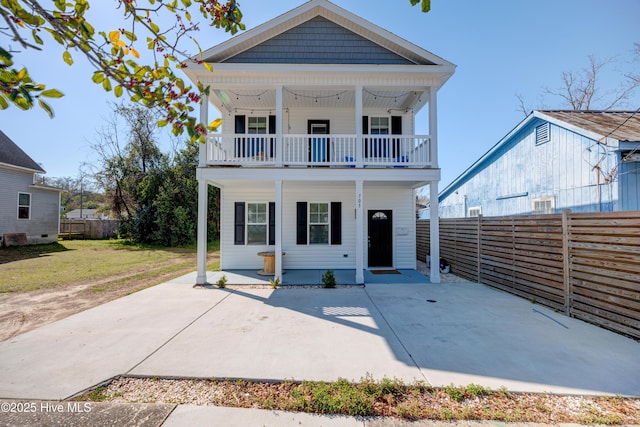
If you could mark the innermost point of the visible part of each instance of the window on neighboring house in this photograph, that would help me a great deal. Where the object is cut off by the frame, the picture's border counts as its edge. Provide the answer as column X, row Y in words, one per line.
column 24, row 205
column 543, row 205
column 257, row 223
column 319, row 223
column 475, row 211
column 543, row 133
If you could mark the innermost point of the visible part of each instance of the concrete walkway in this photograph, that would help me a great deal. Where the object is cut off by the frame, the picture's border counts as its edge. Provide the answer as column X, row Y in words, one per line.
column 442, row 334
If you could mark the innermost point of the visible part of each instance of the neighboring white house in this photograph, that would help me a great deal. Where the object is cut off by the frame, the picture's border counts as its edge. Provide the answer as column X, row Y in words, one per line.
column 586, row 161
column 317, row 155
column 25, row 205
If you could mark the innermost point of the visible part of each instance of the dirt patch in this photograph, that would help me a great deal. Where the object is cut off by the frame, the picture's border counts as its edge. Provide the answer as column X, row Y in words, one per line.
column 21, row 312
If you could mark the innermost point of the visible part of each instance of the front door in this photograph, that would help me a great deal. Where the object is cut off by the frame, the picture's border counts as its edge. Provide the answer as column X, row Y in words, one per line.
column 318, row 146
column 380, row 238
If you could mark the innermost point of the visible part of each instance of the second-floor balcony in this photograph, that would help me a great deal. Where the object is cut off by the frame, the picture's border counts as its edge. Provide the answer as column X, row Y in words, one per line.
column 333, row 150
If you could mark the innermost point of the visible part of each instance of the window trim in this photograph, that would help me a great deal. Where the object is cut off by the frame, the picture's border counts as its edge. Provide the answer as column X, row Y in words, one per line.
column 474, row 209
column 551, row 210
column 388, row 118
column 327, row 224
column 249, row 224
column 23, row 206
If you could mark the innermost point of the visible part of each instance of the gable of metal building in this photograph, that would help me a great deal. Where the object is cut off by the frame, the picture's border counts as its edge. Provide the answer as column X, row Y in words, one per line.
column 319, row 41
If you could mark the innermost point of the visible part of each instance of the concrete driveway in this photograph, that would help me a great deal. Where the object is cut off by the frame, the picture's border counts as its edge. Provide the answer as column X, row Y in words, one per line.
column 443, row 334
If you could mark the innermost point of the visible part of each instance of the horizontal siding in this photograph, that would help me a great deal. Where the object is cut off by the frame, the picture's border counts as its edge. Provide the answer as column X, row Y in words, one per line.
column 399, row 200
column 44, row 208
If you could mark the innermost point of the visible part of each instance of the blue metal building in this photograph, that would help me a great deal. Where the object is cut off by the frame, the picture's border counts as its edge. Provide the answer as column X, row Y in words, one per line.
column 586, row 161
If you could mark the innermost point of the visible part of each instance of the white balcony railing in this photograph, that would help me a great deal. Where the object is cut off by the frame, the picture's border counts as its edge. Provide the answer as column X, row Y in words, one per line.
column 413, row 151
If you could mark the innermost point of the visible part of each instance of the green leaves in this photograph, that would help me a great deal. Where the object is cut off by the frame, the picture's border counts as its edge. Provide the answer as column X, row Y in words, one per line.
column 148, row 78
column 425, row 4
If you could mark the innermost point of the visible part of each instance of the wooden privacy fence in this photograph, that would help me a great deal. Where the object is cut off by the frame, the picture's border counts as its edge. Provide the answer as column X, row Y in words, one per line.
column 584, row 264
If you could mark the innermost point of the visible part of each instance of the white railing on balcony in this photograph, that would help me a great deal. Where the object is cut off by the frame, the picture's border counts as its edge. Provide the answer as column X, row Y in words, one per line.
column 320, row 150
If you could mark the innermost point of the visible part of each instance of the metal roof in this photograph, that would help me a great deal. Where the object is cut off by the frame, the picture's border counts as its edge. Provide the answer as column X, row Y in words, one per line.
column 620, row 125
column 13, row 155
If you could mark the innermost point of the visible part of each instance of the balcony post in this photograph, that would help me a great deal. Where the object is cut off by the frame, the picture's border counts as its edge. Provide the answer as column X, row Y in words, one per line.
column 279, row 145
column 433, row 128
column 358, row 118
column 204, row 119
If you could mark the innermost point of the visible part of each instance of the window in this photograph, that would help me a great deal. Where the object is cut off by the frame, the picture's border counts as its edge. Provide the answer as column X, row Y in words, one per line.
column 257, row 125
column 319, row 223
column 543, row 133
column 475, row 211
column 256, row 223
column 379, row 126
column 543, row 205
column 24, row 205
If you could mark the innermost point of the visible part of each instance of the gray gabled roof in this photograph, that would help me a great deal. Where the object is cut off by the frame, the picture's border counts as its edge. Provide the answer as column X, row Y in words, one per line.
column 13, row 155
column 301, row 27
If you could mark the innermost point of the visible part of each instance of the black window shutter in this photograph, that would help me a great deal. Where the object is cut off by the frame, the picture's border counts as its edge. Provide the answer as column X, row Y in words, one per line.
column 240, row 128
column 396, row 129
column 365, row 131
column 272, row 131
column 238, row 230
column 336, row 223
column 272, row 223
column 301, row 223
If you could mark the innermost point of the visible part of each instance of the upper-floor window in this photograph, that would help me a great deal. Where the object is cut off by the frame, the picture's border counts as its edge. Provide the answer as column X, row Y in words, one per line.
column 379, row 126
column 257, row 125
column 543, row 205
column 24, row 205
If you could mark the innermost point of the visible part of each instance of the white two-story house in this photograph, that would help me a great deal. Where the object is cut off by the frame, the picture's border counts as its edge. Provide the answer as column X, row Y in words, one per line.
column 317, row 157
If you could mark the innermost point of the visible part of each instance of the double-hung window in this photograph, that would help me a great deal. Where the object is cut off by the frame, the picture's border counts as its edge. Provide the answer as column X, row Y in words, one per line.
column 319, row 223
column 257, row 126
column 380, row 146
column 257, row 223
column 24, row 205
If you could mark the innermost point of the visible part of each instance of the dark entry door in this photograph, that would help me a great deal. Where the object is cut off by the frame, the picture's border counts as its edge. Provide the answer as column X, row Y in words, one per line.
column 318, row 145
column 380, row 238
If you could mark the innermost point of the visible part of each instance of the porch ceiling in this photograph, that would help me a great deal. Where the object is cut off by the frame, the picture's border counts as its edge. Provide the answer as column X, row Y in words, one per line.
column 246, row 100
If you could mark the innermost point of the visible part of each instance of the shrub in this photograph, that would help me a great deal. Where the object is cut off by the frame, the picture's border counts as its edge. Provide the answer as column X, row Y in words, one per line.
column 222, row 282
column 329, row 279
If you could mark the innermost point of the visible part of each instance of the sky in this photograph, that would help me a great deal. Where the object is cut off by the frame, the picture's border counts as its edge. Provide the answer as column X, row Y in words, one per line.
column 500, row 47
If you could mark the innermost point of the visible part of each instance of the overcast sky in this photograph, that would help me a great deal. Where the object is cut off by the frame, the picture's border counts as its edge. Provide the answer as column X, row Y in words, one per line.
column 500, row 47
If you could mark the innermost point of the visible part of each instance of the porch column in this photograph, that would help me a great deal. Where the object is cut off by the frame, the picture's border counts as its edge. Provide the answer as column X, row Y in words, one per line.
column 358, row 118
column 203, row 188
column 278, row 249
column 279, row 145
column 434, row 219
column 360, row 240
column 434, row 229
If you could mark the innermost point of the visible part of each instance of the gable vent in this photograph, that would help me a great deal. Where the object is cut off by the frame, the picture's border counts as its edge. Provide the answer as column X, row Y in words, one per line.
column 543, row 133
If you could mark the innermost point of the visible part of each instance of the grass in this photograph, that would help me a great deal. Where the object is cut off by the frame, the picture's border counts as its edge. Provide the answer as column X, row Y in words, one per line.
column 30, row 268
